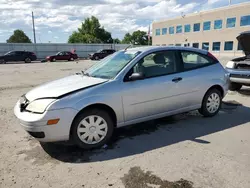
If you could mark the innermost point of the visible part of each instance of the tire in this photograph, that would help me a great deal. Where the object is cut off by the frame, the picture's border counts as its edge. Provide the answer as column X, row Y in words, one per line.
column 53, row 60
column 234, row 86
column 97, row 58
column 214, row 98
column 83, row 132
column 2, row 61
column 71, row 59
column 27, row 60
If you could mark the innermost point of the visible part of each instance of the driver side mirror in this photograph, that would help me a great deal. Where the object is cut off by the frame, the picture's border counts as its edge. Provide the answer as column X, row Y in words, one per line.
column 136, row 76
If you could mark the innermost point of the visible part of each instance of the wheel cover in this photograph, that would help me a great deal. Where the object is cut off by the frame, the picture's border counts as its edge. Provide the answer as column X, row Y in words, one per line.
column 92, row 129
column 213, row 103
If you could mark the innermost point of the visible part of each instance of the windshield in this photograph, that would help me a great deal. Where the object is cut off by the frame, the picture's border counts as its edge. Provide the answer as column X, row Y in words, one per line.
column 109, row 67
column 7, row 53
column 98, row 51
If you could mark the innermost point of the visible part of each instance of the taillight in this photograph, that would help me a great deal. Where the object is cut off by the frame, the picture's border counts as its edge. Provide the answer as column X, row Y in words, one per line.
column 212, row 56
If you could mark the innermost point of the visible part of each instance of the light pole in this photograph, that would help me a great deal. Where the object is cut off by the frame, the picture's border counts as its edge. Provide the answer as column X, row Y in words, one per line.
column 34, row 30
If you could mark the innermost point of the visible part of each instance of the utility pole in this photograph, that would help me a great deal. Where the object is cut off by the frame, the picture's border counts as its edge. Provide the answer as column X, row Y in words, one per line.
column 34, row 31
column 229, row 2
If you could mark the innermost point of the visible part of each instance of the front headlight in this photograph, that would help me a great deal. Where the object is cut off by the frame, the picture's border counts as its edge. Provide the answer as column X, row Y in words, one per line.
column 230, row 64
column 39, row 106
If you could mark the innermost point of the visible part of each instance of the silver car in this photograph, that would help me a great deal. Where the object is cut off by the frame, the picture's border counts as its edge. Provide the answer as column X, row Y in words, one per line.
column 128, row 87
column 239, row 68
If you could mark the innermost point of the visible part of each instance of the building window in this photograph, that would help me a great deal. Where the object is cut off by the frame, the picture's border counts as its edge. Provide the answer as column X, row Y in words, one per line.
column 197, row 27
column 157, row 32
column 206, row 26
column 216, row 46
column 177, row 44
column 228, row 45
column 205, row 46
column 239, row 46
column 179, row 29
column 187, row 45
column 231, row 22
column 171, row 30
column 187, row 28
column 217, row 24
column 170, row 45
column 245, row 20
column 196, row 45
column 164, row 31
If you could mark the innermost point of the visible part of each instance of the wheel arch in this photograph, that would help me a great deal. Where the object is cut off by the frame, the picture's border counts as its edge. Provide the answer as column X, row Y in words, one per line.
column 219, row 88
column 100, row 106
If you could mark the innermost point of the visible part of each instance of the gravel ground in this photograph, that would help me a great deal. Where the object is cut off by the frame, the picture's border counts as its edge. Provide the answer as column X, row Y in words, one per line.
column 182, row 151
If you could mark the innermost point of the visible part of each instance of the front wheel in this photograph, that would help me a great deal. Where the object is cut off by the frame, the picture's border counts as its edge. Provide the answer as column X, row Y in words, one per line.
column 211, row 103
column 2, row 61
column 92, row 129
column 97, row 58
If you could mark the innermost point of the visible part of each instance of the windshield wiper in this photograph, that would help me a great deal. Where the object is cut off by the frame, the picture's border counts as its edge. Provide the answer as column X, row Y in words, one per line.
column 83, row 73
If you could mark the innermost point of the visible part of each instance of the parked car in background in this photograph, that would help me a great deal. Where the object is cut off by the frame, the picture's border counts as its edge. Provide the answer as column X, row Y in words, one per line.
column 132, row 86
column 101, row 54
column 62, row 56
column 239, row 68
column 25, row 56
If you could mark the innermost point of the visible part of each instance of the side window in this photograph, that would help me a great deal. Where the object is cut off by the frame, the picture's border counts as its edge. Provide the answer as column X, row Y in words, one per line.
column 192, row 60
column 157, row 64
column 61, row 53
column 66, row 53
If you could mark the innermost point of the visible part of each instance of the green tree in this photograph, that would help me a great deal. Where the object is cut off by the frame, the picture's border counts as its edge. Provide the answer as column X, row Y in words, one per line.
column 137, row 38
column 18, row 37
column 90, row 32
column 117, row 41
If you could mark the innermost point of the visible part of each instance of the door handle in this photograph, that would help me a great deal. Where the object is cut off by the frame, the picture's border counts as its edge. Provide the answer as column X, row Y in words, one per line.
column 177, row 79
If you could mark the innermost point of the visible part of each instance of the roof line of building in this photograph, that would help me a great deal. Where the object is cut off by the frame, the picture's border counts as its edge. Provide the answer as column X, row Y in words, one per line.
column 205, row 11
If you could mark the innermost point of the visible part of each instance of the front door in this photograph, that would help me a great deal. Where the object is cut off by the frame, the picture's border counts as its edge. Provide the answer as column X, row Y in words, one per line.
column 61, row 56
column 11, row 56
column 158, row 92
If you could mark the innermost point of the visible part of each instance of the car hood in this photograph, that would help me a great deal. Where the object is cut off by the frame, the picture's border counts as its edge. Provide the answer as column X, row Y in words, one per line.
column 244, row 40
column 61, row 87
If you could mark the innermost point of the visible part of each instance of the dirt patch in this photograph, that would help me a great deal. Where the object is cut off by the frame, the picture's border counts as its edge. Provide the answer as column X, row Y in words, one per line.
column 137, row 178
column 35, row 154
column 16, row 87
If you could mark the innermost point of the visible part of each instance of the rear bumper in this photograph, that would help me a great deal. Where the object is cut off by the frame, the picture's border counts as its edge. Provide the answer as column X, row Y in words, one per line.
column 239, row 76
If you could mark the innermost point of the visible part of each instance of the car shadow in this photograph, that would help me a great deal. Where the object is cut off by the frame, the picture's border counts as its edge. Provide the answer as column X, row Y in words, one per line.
column 143, row 137
column 245, row 91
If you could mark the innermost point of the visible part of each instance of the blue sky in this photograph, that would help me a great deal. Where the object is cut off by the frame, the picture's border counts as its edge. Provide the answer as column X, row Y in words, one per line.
column 56, row 19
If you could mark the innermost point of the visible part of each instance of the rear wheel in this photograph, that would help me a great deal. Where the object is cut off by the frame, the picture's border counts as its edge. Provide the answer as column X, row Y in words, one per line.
column 71, row 59
column 211, row 103
column 27, row 60
column 92, row 129
column 234, row 86
column 96, row 58
column 53, row 60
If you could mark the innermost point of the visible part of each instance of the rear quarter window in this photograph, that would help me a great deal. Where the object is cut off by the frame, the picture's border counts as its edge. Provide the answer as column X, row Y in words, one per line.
column 193, row 60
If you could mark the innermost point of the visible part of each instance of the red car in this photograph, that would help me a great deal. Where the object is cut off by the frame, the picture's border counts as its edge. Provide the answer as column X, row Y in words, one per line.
column 66, row 56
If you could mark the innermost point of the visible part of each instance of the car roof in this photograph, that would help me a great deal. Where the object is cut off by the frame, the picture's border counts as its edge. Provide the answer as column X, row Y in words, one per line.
column 159, row 48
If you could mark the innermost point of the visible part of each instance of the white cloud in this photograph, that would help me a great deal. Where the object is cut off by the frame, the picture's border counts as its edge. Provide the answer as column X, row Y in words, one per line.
column 117, row 16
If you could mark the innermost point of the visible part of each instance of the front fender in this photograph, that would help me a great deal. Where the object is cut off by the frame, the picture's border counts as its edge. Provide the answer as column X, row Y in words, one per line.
column 114, row 102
